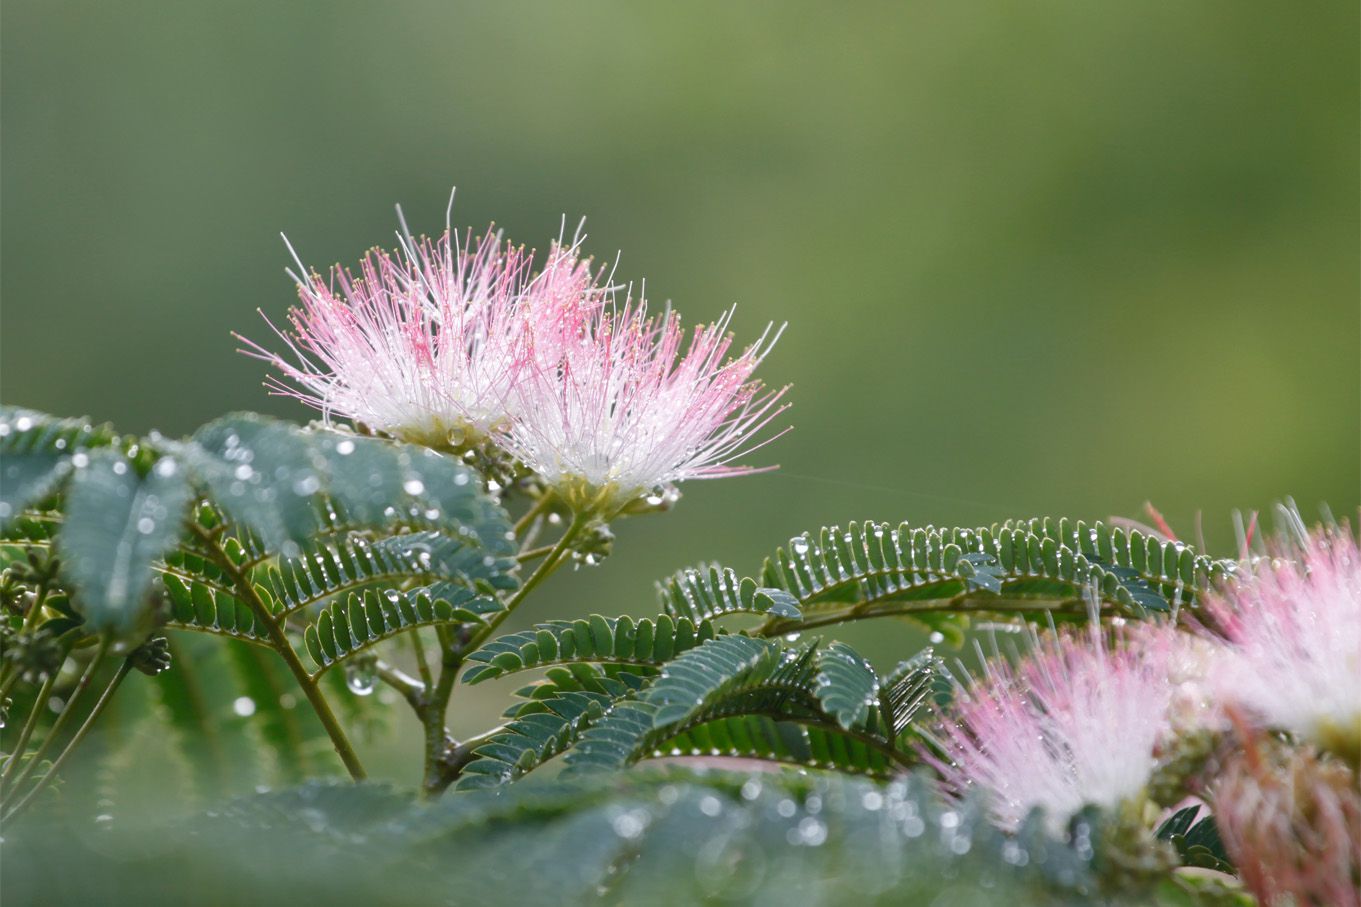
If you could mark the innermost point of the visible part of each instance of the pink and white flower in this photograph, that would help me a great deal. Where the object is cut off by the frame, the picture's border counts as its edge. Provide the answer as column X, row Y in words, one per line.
column 1293, row 830
column 621, row 408
column 1294, row 632
column 425, row 343
column 1074, row 724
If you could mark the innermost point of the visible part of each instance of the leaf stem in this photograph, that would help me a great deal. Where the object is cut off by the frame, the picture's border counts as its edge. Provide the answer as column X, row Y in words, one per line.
column 75, row 740
column 344, row 749
column 541, row 573
column 960, row 603
column 66, row 712
column 422, row 666
column 443, row 760
column 534, row 510
column 26, row 731
column 433, row 711
column 412, row 690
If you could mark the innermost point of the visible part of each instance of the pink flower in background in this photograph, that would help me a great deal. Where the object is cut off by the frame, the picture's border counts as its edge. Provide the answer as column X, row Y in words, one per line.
column 1075, row 723
column 622, row 408
column 1294, row 830
column 1294, row 632
column 425, row 343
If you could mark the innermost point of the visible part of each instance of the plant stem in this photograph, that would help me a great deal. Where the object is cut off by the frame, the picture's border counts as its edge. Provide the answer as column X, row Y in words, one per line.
column 31, row 618
column 74, row 741
column 66, row 712
column 443, row 762
column 433, row 712
column 26, row 732
column 10, row 673
column 344, row 749
column 961, row 603
column 534, row 510
column 412, row 690
column 541, row 573
column 422, row 666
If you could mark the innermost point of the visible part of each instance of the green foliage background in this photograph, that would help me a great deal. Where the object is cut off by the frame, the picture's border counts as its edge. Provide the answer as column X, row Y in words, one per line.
column 1048, row 258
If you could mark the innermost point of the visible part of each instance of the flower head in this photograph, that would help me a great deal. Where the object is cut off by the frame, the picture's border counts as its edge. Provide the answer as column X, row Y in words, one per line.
column 620, row 407
column 1076, row 723
column 425, row 343
column 1294, row 829
column 1294, row 632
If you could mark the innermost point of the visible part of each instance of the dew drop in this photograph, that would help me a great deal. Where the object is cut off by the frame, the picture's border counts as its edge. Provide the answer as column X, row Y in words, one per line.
column 305, row 486
column 360, row 679
column 413, row 486
column 146, row 525
column 244, row 706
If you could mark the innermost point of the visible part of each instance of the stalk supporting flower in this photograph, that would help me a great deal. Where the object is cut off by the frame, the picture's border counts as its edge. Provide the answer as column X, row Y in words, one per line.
column 1075, row 724
column 1294, row 633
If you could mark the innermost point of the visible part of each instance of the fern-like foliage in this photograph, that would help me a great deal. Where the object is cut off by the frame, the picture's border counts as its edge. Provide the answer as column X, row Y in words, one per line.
column 356, row 624
column 832, row 691
column 600, row 640
column 711, row 591
column 559, row 709
column 36, row 455
column 877, row 569
column 298, row 540
column 762, row 737
column 667, row 837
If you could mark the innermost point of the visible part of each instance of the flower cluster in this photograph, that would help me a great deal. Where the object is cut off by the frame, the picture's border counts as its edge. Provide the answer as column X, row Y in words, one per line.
column 1294, row 830
column 1099, row 718
column 1293, row 660
column 1076, row 723
column 458, row 343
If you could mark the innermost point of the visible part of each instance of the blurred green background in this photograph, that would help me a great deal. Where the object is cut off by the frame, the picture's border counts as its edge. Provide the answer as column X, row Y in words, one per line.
column 1042, row 258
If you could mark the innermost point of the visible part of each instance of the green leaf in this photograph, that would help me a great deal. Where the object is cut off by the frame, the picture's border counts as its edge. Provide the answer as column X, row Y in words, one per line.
column 201, row 598
column 355, row 562
column 1197, row 843
column 36, row 453
column 286, row 727
column 709, row 591
column 605, row 640
column 846, row 684
column 560, row 709
column 197, row 702
column 265, row 474
column 762, row 737
column 118, row 523
column 360, row 621
column 699, row 682
column 875, row 569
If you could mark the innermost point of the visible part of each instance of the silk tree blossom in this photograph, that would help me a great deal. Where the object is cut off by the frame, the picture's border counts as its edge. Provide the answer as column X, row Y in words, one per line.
column 1293, row 830
column 622, row 409
column 1076, row 723
column 425, row 343
column 1294, row 634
